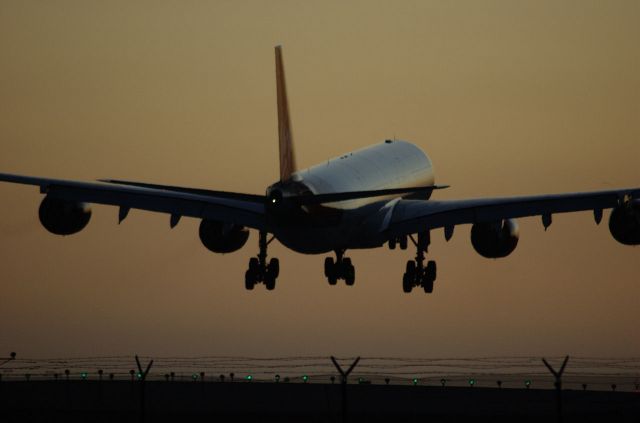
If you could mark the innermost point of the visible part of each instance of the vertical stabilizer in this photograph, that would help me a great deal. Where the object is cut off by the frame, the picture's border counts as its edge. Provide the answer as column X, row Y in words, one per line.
column 287, row 158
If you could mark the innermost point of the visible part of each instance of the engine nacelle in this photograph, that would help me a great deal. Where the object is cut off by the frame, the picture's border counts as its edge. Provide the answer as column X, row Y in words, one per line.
column 221, row 237
column 624, row 223
column 63, row 217
column 495, row 240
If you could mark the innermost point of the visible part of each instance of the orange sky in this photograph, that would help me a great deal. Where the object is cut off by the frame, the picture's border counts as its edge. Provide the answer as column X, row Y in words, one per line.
column 507, row 98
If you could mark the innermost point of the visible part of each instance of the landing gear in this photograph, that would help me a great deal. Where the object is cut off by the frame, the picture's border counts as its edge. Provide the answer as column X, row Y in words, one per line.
column 401, row 241
column 341, row 268
column 259, row 271
column 416, row 273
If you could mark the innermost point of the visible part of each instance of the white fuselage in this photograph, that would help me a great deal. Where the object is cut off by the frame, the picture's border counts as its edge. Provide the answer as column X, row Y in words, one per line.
column 388, row 165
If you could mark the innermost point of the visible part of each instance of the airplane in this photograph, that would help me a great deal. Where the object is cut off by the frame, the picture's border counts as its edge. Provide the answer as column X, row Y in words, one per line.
column 364, row 199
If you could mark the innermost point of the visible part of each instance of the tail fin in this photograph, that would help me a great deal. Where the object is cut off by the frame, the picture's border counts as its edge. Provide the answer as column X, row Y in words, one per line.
column 287, row 158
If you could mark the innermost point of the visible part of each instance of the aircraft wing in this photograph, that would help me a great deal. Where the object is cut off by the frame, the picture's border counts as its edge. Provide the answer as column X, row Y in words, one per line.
column 412, row 216
column 176, row 202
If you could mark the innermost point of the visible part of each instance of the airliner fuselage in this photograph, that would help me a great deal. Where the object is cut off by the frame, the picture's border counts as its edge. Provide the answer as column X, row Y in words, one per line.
column 347, row 224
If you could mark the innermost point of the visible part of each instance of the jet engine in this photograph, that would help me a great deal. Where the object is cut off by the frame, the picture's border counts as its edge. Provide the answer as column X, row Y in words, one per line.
column 221, row 237
column 496, row 239
column 624, row 223
column 63, row 217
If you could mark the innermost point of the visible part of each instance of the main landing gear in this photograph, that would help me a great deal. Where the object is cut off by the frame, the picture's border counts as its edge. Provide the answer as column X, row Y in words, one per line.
column 416, row 273
column 259, row 271
column 341, row 268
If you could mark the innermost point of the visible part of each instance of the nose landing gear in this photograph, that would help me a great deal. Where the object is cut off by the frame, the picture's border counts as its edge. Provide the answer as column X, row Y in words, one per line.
column 341, row 268
column 259, row 271
column 417, row 274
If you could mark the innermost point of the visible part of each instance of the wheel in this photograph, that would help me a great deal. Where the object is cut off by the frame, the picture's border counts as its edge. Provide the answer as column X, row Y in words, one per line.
column 430, row 271
column 403, row 243
column 249, row 279
column 350, row 275
column 332, row 279
column 407, row 283
column 329, row 266
column 348, row 271
column 411, row 269
column 392, row 244
column 274, row 267
column 270, row 281
column 428, row 286
column 254, row 264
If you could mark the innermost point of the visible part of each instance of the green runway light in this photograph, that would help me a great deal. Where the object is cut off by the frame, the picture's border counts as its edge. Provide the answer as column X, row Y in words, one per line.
column 527, row 383
column 139, row 375
column 249, row 378
column 415, row 381
column 83, row 375
column 305, row 378
column 472, row 382
column 277, row 378
column 194, row 376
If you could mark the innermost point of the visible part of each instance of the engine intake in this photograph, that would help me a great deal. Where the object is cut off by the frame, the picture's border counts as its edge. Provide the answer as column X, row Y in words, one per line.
column 63, row 217
column 624, row 223
column 496, row 239
column 221, row 237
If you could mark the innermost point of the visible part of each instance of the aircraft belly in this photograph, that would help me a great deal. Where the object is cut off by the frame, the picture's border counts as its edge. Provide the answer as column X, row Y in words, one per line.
column 312, row 240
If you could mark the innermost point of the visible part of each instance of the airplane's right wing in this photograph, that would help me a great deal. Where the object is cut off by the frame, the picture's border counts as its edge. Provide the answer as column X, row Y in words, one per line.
column 240, row 209
column 412, row 216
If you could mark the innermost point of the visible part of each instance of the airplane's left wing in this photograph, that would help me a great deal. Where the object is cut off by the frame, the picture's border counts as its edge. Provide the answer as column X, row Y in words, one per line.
column 413, row 216
column 240, row 209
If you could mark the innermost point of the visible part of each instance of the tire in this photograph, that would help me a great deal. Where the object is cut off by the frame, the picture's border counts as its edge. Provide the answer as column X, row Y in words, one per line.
column 274, row 268
column 249, row 280
column 329, row 266
column 392, row 244
column 348, row 272
column 411, row 269
column 350, row 276
column 332, row 280
column 403, row 243
column 407, row 283
column 431, row 271
column 254, row 264
column 428, row 286
column 270, row 281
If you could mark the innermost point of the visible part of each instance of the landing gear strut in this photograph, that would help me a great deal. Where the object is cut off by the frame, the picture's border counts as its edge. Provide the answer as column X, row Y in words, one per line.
column 341, row 268
column 259, row 271
column 417, row 274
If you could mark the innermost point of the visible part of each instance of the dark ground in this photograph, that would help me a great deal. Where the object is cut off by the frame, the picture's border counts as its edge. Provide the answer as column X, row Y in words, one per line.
column 118, row 401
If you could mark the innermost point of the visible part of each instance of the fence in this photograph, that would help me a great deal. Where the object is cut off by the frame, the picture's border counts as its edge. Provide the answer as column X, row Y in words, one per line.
column 504, row 372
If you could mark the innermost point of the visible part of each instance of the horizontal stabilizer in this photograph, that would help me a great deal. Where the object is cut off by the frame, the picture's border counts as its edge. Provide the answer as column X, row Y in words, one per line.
column 196, row 191
column 310, row 199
